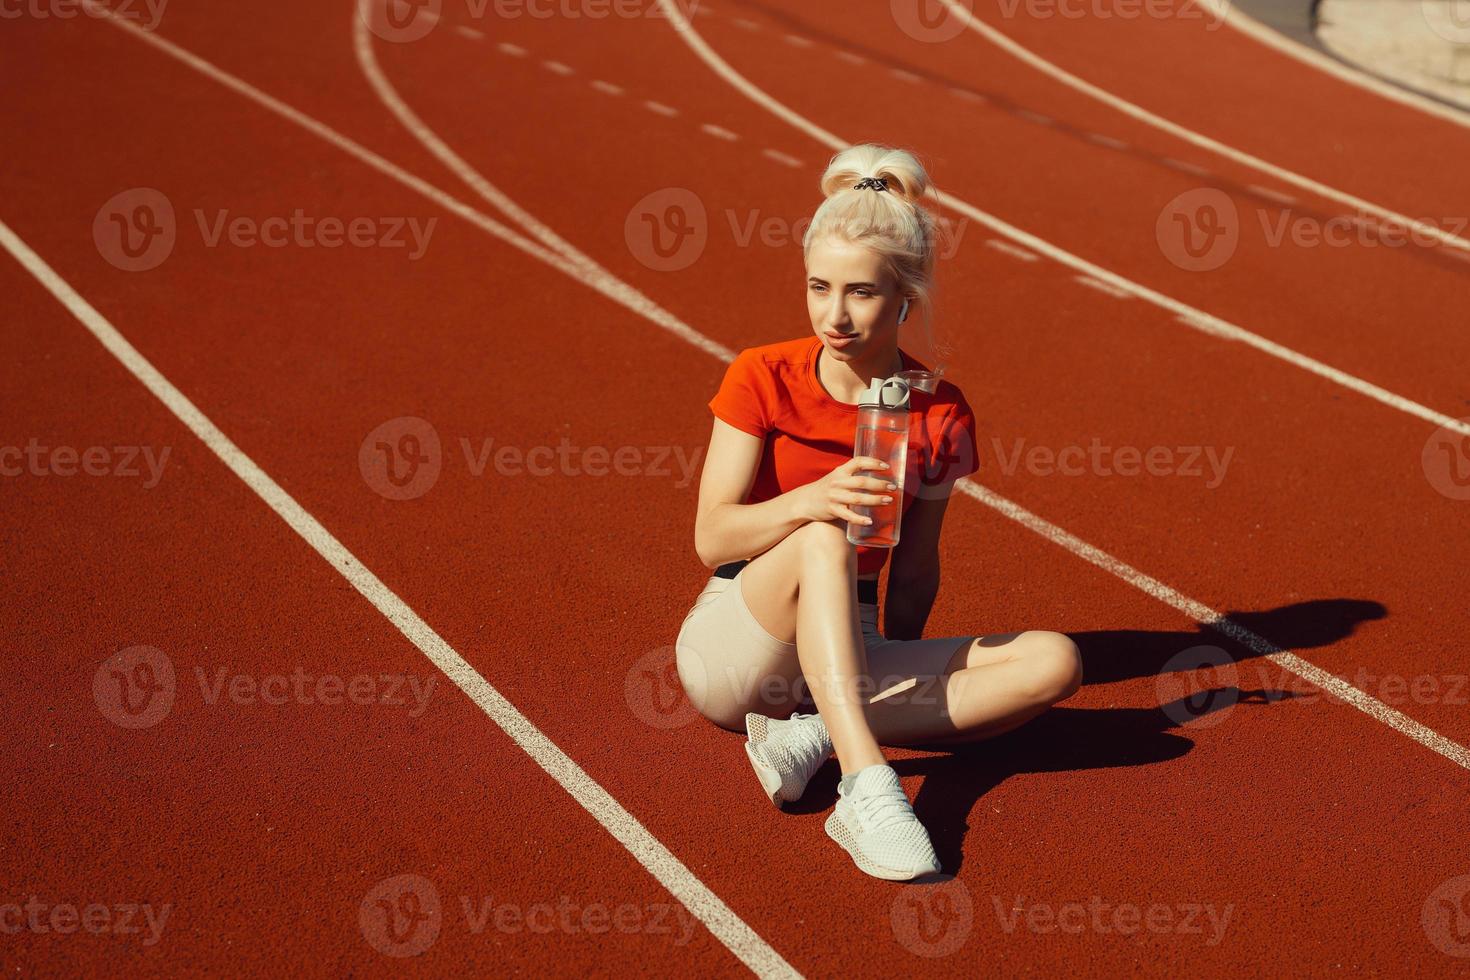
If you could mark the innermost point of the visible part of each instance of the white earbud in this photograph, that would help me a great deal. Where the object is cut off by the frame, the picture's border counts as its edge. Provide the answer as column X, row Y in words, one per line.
column 903, row 311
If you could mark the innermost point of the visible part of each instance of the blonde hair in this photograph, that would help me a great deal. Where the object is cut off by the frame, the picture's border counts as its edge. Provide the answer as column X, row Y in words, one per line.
column 894, row 223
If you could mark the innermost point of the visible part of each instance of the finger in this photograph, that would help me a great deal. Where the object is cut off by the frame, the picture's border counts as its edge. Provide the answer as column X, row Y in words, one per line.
column 851, row 515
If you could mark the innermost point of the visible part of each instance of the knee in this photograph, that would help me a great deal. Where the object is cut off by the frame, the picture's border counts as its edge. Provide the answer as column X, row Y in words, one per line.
column 1056, row 665
column 827, row 540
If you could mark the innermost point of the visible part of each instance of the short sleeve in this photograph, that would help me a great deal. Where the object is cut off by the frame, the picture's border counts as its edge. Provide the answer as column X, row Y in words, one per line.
column 741, row 399
column 955, row 446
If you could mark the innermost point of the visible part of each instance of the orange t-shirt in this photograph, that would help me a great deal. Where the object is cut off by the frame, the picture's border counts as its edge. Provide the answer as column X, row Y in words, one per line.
column 773, row 393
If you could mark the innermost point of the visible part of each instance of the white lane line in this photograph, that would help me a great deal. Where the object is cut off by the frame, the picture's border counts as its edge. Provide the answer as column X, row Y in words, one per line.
column 1108, row 141
column 1270, row 194
column 558, row 67
column 1143, row 115
column 1185, row 167
column 748, row 25
column 660, row 108
column 796, row 40
column 1035, row 117
column 626, row 828
column 969, row 96
column 1203, row 614
column 1103, row 287
column 1316, row 59
column 905, row 76
column 468, row 32
column 780, row 157
column 1003, row 246
column 514, row 50
column 686, row 33
column 851, row 57
column 733, row 932
column 607, row 87
column 719, row 132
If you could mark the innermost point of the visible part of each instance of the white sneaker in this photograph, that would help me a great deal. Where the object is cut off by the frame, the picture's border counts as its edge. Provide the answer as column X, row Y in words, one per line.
column 785, row 754
column 876, row 825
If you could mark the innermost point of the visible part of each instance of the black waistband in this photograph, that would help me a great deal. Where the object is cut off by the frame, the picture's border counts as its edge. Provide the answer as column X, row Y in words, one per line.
column 867, row 589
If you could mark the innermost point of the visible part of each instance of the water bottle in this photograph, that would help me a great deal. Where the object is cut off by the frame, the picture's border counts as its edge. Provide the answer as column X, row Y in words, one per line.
column 882, row 432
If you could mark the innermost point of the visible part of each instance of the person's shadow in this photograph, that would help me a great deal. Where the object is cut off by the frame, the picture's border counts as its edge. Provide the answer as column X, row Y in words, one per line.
column 1066, row 739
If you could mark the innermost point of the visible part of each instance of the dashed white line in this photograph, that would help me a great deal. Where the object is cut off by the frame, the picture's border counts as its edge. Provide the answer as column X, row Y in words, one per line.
column 558, row 67
column 966, row 94
column 745, row 24
column 780, row 157
column 1103, row 287
column 851, row 57
column 514, row 50
column 719, row 132
column 1012, row 250
column 607, row 87
column 905, row 76
column 660, row 108
column 1271, row 194
column 468, row 32
column 1035, row 117
column 1107, row 141
column 797, row 40
column 1188, row 168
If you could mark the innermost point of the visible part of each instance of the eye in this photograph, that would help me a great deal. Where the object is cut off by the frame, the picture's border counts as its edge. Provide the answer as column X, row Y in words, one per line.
column 817, row 287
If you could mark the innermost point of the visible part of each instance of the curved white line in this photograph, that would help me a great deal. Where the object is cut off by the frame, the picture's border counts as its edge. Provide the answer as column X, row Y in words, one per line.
column 1189, row 316
column 735, row 934
column 1257, row 31
column 1198, row 139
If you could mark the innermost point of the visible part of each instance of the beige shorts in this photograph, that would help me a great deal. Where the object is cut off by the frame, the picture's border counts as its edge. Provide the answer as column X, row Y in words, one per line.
column 729, row 664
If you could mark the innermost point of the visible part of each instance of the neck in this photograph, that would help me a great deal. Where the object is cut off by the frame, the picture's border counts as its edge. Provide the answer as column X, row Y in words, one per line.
column 847, row 380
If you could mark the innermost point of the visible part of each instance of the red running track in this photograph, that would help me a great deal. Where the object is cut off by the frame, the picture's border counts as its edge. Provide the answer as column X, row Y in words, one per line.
column 1315, row 834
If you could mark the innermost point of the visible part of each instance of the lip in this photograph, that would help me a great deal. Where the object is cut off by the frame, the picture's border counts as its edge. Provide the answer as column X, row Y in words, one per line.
column 839, row 340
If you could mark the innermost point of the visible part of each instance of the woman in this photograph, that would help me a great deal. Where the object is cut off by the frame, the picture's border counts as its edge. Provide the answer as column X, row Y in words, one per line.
column 789, row 617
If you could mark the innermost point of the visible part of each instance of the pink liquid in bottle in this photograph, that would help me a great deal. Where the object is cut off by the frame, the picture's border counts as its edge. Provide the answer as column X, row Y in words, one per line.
column 882, row 432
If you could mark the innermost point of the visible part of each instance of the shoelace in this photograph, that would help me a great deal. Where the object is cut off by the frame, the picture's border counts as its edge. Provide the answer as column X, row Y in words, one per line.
column 803, row 741
column 885, row 808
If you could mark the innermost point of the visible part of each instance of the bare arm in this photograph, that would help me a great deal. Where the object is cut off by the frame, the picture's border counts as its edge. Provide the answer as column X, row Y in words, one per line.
column 725, row 529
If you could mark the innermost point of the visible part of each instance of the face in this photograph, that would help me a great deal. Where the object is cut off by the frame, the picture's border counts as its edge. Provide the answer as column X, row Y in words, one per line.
column 853, row 302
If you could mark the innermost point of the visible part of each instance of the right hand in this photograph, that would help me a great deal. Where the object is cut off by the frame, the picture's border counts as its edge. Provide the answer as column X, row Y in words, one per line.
column 832, row 497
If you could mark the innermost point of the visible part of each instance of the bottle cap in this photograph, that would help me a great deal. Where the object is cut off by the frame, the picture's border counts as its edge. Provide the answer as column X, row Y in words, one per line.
column 886, row 393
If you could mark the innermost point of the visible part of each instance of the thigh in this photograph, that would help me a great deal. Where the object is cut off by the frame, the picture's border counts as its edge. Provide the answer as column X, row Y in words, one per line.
column 728, row 664
column 770, row 580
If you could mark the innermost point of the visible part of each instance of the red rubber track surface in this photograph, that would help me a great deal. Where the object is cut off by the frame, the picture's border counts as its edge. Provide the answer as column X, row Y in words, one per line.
column 1320, row 831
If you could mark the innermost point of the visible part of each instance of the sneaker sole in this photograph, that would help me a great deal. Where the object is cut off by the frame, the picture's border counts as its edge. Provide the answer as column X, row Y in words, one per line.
column 838, row 831
column 770, row 779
